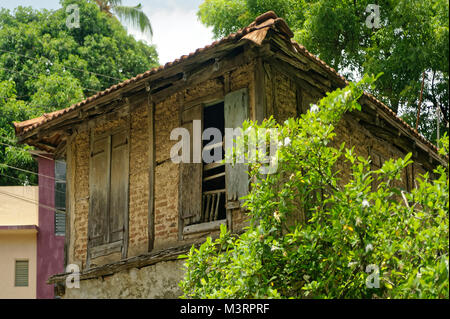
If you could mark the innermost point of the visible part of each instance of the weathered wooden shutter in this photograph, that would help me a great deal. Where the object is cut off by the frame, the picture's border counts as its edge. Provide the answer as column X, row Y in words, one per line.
column 191, row 173
column 236, row 112
column 21, row 273
column 118, row 206
column 98, row 191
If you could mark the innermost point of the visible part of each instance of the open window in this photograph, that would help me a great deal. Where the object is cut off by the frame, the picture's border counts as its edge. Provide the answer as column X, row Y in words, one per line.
column 209, row 190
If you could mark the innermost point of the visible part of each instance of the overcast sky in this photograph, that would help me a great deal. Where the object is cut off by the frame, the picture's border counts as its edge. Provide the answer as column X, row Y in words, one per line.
column 176, row 30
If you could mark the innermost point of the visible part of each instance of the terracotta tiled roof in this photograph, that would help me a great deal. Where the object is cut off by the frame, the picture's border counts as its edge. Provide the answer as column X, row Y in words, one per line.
column 271, row 21
column 268, row 20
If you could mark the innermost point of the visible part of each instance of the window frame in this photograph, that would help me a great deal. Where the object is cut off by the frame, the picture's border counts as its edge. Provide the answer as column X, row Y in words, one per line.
column 110, row 247
column 28, row 272
column 230, row 205
column 207, row 226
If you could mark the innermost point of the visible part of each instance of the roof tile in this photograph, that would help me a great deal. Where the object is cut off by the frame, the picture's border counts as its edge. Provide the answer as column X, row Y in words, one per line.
column 268, row 19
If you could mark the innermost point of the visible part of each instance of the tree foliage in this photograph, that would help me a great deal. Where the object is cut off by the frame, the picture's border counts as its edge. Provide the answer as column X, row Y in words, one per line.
column 131, row 15
column 45, row 66
column 412, row 41
column 312, row 235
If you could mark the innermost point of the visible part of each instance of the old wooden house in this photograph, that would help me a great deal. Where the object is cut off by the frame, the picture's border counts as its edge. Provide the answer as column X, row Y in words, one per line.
column 131, row 210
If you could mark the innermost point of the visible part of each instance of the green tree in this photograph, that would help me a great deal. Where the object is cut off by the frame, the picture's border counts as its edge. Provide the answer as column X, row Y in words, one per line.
column 45, row 66
column 412, row 40
column 132, row 15
column 12, row 110
column 312, row 236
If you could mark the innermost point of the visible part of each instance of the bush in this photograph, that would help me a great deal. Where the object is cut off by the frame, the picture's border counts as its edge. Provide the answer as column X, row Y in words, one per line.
column 310, row 236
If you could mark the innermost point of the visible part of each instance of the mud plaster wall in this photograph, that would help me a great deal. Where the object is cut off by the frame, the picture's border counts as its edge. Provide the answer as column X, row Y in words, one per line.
column 138, row 187
column 167, row 115
column 282, row 101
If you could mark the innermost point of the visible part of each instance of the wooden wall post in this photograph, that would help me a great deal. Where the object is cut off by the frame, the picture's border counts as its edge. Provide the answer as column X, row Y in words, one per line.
column 151, row 173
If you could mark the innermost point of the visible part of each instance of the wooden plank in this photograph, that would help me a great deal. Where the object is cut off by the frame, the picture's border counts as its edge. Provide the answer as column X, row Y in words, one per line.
column 203, row 227
column 260, row 91
column 207, row 208
column 191, row 178
column 118, row 208
column 151, row 173
column 211, row 166
column 181, row 220
column 216, row 191
column 106, row 249
column 211, row 210
column 140, row 261
column 299, row 101
column 212, row 146
column 233, row 204
column 192, row 113
column 213, row 176
column 69, row 201
column 228, row 64
column 208, row 99
column 236, row 110
column 216, row 211
column 98, row 188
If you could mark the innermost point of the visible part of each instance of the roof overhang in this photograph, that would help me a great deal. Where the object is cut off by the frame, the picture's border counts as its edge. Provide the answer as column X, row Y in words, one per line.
column 49, row 132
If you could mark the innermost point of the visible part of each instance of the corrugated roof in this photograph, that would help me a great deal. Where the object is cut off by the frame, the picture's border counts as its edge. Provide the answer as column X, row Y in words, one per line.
column 255, row 32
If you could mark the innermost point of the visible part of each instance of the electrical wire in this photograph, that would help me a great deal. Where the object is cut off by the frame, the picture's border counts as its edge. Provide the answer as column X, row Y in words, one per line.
column 37, row 154
column 30, row 172
column 66, row 66
column 18, row 179
column 37, row 77
column 32, row 202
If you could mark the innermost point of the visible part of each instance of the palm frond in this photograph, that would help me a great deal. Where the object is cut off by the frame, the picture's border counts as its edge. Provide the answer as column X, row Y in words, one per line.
column 135, row 17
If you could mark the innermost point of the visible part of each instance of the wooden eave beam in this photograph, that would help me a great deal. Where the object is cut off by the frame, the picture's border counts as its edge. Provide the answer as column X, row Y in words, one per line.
column 155, row 81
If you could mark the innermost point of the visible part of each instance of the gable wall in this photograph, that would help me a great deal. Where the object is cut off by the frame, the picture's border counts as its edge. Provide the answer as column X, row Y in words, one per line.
column 167, row 117
column 283, row 102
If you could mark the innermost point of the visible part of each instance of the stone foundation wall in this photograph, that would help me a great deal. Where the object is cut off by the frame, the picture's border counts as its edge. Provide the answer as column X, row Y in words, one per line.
column 156, row 281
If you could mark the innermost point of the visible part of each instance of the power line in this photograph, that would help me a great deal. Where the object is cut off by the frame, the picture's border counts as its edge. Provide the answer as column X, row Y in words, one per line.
column 30, row 172
column 40, row 186
column 37, row 77
column 15, row 97
column 19, row 148
column 37, row 154
column 66, row 66
column 32, row 201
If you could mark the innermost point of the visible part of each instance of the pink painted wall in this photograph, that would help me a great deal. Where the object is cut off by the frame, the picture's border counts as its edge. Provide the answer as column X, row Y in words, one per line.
column 50, row 248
